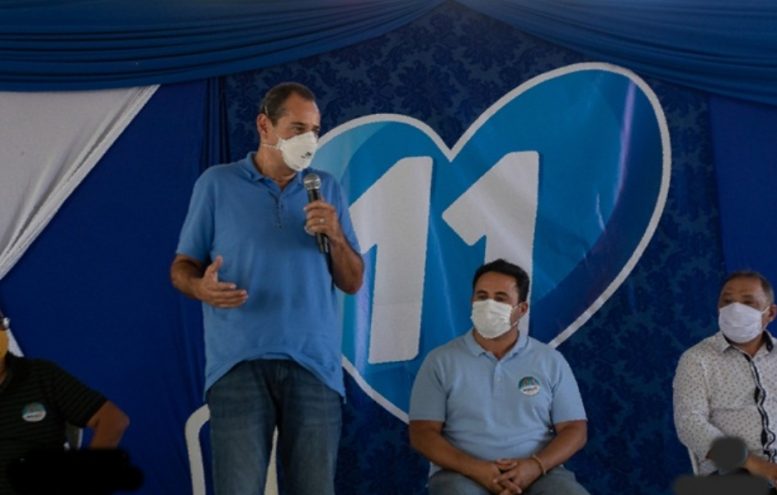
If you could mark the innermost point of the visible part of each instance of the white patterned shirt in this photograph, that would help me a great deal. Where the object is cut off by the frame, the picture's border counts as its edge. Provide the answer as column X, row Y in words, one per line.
column 720, row 391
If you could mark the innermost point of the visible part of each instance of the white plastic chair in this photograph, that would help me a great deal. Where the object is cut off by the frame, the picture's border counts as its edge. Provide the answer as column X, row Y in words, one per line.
column 694, row 462
column 74, row 437
column 192, row 433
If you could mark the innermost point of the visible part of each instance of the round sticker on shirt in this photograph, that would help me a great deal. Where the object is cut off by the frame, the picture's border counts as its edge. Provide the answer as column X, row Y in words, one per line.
column 529, row 385
column 34, row 412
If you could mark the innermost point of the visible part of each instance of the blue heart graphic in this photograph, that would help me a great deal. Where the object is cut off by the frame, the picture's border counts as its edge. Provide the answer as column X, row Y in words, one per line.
column 568, row 173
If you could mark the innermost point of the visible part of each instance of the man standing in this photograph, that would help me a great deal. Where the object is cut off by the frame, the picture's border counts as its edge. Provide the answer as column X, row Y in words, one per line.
column 272, row 340
column 726, row 385
column 38, row 399
column 493, row 410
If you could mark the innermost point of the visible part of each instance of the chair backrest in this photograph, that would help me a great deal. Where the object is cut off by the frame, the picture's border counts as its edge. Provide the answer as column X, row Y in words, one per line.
column 74, row 436
column 694, row 462
column 192, row 434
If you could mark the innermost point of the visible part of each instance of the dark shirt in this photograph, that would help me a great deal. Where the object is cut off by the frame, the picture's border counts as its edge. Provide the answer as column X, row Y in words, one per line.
column 37, row 399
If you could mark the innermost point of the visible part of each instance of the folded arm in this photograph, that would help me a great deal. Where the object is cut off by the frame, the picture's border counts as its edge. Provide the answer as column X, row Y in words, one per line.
column 108, row 424
column 691, row 407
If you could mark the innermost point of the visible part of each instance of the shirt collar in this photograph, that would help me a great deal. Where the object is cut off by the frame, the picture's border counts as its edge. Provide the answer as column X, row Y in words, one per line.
column 720, row 343
column 475, row 348
column 250, row 168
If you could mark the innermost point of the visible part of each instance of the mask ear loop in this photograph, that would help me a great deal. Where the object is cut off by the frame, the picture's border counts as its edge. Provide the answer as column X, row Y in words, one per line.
column 514, row 325
column 516, row 307
column 766, row 312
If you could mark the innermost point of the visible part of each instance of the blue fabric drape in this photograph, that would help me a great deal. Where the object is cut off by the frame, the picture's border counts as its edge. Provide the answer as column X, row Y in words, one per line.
column 216, row 145
column 723, row 47
column 718, row 46
column 117, row 43
column 744, row 153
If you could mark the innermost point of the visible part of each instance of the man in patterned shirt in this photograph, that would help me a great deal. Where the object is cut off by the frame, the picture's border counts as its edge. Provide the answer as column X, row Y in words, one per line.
column 37, row 400
column 726, row 385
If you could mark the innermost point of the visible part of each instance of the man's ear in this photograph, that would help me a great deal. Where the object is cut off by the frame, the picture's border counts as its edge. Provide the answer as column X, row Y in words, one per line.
column 522, row 308
column 262, row 125
column 772, row 313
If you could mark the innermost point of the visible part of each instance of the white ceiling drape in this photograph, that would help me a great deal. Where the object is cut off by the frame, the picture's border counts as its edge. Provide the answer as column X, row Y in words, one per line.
column 48, row 143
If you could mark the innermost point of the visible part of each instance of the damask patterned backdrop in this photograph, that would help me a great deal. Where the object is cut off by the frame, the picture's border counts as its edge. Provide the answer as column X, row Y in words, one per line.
column 445, row 69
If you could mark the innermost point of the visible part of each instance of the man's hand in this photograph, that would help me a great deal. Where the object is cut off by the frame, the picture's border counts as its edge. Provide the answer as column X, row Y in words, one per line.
column 761, row 467
column 517, row 474
column 321, row 218
column 347, row 264
column 210, row 290
column 485, row 473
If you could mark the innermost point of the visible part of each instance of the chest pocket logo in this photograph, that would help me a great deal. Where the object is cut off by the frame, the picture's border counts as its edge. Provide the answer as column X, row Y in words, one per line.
column 34, row 412
column 529, row 386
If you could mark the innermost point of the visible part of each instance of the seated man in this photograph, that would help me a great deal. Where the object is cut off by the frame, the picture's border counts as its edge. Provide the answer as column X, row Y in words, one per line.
column 38, row 399
column 496, row 411
column 726, row 384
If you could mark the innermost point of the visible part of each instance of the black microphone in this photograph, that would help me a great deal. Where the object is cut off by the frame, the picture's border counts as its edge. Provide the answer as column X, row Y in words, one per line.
column 728, row 454
column 312, row 184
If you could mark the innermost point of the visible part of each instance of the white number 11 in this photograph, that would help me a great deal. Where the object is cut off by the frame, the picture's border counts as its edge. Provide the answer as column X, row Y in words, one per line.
column 393, row 214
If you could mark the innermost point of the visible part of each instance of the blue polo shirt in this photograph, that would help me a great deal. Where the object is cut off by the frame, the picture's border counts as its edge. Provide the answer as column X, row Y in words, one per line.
column 291, row 311
column 491, row 408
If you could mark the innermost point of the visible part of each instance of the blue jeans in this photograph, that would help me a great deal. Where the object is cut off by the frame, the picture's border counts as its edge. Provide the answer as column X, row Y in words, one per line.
column 248, row 403
column 558, row 481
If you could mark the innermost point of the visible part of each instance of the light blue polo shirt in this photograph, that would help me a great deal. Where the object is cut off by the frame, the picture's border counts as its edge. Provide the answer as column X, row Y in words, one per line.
column 491, row 408
column 291, row 311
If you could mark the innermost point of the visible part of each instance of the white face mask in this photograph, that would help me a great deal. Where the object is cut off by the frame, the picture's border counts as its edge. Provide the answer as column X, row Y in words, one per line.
column 491, row 318
column 740, row 323
column 298, row 151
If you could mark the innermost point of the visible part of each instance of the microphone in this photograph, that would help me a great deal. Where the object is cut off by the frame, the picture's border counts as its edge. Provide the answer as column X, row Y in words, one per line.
column 312, row 184
column 728, row 454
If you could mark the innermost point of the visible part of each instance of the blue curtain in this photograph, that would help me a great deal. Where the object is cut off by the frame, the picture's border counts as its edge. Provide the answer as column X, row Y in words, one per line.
column 117, row 43
column 723, row 47
column 718, row 46
column 745, row 151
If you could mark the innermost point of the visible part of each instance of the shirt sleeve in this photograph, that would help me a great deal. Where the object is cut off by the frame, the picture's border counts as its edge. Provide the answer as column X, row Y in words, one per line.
column 75, row 401
column 197, row 232
column 428, row 397
column 691, row 406
column 567, row 404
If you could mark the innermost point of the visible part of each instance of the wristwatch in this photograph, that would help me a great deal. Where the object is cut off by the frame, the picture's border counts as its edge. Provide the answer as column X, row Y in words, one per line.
column 5, row 323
